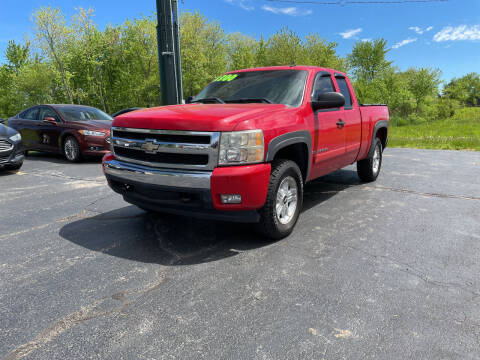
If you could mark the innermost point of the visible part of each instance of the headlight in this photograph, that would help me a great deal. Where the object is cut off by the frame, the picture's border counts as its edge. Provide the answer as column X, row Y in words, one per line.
column 91, row 133
column 16, row 137
column 241, row 147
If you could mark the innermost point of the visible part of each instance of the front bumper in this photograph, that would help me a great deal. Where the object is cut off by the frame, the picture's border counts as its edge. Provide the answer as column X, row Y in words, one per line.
column 193, row 193
column 95, row 145
column 158, row 177
column 12, row 157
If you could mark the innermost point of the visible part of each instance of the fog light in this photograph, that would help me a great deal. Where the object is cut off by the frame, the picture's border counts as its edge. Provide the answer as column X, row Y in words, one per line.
column 231, row 199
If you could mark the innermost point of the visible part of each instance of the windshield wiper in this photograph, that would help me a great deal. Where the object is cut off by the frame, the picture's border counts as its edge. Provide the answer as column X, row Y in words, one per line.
column 209, row 100
column 250, row 100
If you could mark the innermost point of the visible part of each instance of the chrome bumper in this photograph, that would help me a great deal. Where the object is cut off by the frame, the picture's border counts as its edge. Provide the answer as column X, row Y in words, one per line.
column 161, row 177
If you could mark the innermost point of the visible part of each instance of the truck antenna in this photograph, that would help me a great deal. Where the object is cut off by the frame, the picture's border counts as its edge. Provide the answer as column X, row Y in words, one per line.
column 293, row 64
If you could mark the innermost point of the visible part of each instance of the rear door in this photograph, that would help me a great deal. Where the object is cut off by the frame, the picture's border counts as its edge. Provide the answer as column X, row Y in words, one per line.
column 26, row 125
column 352, row 119
column 49, row 133
column 329, row 136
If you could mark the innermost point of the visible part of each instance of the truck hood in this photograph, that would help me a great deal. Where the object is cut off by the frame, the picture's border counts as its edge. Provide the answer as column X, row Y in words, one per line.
column 196, row 117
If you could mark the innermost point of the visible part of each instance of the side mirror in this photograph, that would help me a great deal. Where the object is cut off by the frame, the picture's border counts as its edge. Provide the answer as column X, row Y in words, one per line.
column 189, row 100
column 50, row 120
column 328, row 100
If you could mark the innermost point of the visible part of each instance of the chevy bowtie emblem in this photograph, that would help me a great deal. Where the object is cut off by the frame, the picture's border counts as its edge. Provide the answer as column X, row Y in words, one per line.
column 150, row 147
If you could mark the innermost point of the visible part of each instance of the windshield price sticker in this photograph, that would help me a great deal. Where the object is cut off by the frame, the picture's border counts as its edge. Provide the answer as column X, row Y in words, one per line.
column 226, row 78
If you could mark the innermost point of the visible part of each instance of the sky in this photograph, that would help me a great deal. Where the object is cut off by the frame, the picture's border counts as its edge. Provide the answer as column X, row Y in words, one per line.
column 437, row 34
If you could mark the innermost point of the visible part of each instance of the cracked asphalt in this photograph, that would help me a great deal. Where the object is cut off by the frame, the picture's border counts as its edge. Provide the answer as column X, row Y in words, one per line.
column 388, row 270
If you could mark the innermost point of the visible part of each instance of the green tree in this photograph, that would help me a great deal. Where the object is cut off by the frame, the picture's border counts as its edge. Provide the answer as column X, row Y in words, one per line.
column 204, row 51
column 423, row 84
column 368, row 59
column 320, row 52
column 7, row 100
column 261, row 53
column 466, row 89
column 241, row 51
column 284, row 48
column 36, row 83
column 53, row 37
column 140, row 61
column 17, row 55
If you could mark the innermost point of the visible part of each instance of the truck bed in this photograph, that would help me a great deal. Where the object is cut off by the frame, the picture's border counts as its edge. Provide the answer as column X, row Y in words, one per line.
column 371, row 115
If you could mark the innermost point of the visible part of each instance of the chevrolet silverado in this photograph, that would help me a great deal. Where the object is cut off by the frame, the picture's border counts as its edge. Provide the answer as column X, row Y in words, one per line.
column 245, row 146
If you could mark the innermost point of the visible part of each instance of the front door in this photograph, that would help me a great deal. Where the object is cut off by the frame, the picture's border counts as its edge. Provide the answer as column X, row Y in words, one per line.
column 48, row 133
column 329, row 136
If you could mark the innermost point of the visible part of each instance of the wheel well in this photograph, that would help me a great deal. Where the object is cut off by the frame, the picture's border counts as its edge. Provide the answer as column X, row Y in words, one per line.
column 298, row 153
column 61, row 141
column 382, row 135
column 63, row 138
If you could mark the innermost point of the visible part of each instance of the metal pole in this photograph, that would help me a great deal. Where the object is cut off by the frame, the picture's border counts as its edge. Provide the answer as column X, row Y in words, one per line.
column 178, row 53
column 168, row 53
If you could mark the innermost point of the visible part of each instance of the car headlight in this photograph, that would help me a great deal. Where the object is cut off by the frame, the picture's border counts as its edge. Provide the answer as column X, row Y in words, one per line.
column 91, row 133
column 241, row 147
column 16, row 137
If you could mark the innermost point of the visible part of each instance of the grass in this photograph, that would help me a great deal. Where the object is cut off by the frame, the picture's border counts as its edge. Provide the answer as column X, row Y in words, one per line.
column 460, row 132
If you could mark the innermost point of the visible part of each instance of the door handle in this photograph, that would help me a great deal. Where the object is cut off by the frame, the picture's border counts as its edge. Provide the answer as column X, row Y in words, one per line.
column 340, row 124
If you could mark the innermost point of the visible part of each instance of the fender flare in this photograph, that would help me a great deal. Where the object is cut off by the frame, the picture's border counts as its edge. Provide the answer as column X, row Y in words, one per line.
column 282, row 141
column 379, row 125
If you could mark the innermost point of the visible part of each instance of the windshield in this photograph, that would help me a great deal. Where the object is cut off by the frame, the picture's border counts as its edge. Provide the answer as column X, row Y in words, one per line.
column 271, row 86
column 82, row 113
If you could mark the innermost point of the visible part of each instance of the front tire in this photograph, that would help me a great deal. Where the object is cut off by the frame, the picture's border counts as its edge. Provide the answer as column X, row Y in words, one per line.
column 71, row 149
column 369, row 169
column 284, row 200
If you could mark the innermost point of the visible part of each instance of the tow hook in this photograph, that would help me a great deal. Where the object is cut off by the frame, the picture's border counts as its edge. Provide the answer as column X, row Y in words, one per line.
column 186, row 198
column 126, row 188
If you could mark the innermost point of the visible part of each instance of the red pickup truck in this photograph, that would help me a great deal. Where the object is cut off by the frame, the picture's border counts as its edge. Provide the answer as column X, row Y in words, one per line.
column 244, row 147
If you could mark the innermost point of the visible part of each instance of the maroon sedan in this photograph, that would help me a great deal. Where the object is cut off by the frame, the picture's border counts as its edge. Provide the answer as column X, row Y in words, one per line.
column 72, row 130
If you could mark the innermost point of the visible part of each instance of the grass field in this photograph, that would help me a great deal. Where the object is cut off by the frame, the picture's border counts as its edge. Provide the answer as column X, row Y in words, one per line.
column 460, row 132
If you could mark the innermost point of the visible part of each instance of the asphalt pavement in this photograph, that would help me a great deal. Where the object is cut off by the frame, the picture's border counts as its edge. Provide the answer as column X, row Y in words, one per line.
column 387, row 270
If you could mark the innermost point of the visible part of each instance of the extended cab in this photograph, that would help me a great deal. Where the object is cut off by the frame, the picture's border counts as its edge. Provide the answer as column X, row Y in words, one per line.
column 244, row 147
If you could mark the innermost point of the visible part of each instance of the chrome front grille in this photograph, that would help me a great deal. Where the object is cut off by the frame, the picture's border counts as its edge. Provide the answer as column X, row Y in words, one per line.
column 5, row 146
column 166, row 148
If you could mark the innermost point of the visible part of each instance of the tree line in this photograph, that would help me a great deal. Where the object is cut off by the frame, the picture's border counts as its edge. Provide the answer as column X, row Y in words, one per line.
column 74, row 61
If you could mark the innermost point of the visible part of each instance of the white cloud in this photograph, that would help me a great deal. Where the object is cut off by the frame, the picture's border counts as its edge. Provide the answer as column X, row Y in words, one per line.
column 292, row 11
column 419, row 30
column 462, row 32
column 367, row 40
column 404, row 42
column 244, row 4
column 348, row 34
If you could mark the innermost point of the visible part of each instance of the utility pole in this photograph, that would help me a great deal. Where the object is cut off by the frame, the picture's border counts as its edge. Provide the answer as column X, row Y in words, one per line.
column 169, row 54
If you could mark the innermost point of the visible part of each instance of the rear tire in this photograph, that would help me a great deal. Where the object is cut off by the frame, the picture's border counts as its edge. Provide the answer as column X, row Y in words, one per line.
column 284, row 200
column 369, row 169
column 71, row 149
